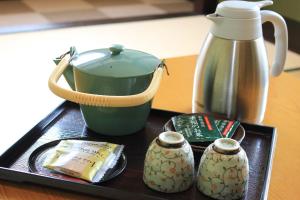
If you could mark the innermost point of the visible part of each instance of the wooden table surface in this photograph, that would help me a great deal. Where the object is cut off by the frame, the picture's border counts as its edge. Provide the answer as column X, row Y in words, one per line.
column 175, row 93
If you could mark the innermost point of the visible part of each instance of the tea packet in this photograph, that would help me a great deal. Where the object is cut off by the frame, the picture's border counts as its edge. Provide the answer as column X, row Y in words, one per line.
column 204, row 128
column 88, row 160
column 196, row 128
column 227, row 127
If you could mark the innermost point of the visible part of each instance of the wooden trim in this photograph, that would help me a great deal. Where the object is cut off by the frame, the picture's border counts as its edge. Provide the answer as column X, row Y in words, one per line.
column 292, row 69
column 205, row 6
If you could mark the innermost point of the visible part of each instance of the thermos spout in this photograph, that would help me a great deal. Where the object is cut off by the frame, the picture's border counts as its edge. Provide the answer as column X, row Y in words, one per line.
column 215, row 17
column 264, row 3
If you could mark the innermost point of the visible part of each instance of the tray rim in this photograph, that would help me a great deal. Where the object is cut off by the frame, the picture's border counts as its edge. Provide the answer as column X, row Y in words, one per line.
column 9, row 174
column 271, row 154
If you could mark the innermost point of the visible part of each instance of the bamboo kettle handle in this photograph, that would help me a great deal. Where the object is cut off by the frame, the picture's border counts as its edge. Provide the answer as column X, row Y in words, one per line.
column 102, row 100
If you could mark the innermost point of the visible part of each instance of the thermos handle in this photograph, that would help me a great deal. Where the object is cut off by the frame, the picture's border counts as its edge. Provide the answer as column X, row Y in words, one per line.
column 102, row 100
column 281, row 39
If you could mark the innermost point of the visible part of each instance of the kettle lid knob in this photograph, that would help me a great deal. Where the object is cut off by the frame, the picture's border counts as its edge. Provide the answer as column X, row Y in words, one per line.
column 116, row 49
column 241, row 9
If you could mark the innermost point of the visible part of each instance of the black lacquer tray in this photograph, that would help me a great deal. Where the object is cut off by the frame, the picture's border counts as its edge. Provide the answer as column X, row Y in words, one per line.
column 66, row 122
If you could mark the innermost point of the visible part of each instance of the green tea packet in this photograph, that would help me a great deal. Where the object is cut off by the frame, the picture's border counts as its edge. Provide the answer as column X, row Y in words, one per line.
column 196, row 128
column 88, row 160
column 227, row 127
column 204, row 128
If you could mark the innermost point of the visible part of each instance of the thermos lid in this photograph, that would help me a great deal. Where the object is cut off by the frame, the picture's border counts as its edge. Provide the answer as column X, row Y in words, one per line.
column 241, row 9
column 115, row 62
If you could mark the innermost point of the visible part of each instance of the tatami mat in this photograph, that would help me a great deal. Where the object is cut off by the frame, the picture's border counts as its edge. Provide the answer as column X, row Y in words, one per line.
column 21, row 13
column 130, row 10
column 46, row 6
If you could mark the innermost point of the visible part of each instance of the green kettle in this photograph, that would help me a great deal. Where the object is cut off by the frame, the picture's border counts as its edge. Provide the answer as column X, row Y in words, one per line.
column 114, row 87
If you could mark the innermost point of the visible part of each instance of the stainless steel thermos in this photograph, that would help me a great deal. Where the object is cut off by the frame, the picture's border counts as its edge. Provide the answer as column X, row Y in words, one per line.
column 232, row 72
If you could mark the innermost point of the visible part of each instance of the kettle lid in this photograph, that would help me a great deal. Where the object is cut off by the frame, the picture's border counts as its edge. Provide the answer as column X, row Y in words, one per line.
column 241, row 9
column 115, row 62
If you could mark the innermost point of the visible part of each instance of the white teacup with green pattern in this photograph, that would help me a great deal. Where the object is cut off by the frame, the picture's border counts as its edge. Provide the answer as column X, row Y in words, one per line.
column 169, row 163
column 223, row 170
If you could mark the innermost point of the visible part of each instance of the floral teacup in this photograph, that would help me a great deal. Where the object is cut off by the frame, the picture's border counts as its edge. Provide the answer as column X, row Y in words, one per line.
column 223, row 170
column 169, row 163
